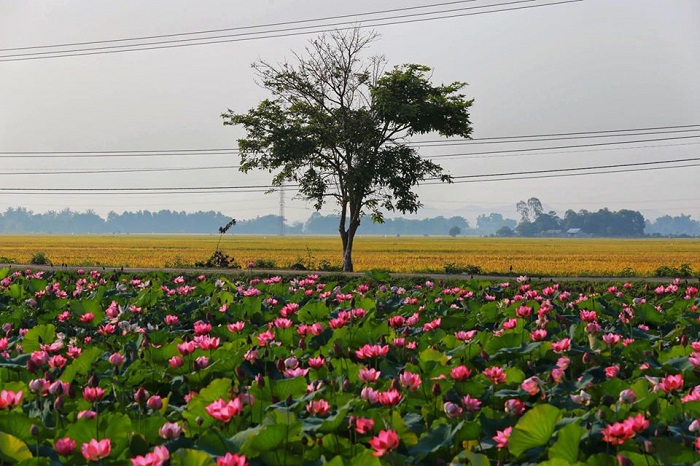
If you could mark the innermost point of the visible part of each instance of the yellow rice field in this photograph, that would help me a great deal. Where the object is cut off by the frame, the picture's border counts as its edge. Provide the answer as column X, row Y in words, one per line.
column 564, row 257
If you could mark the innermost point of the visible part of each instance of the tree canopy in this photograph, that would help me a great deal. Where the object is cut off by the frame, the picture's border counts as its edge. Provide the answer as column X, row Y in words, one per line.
column 337, row 125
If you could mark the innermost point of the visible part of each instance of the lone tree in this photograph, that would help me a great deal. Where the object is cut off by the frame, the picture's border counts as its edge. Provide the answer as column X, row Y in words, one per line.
column 337, row 125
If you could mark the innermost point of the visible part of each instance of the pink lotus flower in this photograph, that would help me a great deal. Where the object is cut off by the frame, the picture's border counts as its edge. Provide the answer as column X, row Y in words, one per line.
column 460, row 373
column 502, row 436
column 369, row 394
column 561, row 346
column 223, row 411
column 471, row 404
column 495, row 374
column 637, row 423
column 155, row 403
column 452, row 410
column 298, row 372
column 87, row 414
column 157, row 457
column 466, row 336
column 533, row 385
column 39, row 386
column 671, row 383
column 116, row 359
column 232, row 459
column 389, row 398
column 236, row 327
column 318, row 407
column 514, row 407
column 510, row 324
column 96, row 450
column 317, row 362
column 186, row 348
column 176, row 362
column 369, row 375
column 93, row 394
column 64, row 446
column 410, row 381
column 206, row 342
column 170, row 430
column 372, row 351
column 612, row 371
column 628, row 396
column 384, row 442
column 362, row 425
column 617, row 433
column 202, row 328
column 611, row 339
column 265, row 338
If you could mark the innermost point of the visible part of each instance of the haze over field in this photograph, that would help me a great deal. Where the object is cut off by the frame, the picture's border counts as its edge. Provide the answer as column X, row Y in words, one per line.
column 585, row 66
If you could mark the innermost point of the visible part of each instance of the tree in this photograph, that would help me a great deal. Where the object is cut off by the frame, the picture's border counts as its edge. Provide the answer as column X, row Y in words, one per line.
column 530, row 210
column 337, row 125
column 454, row 231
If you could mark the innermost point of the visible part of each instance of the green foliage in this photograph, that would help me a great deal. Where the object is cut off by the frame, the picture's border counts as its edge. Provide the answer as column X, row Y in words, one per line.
column 534, row 429
column 411, row 332
column 219, row 260
column 685, row 271
column 336, row 123
column 39, row 258
column 453, row 268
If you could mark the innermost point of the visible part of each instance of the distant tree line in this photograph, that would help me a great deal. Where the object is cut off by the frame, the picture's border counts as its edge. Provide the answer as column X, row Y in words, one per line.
column 534, row 222
column 603, row 223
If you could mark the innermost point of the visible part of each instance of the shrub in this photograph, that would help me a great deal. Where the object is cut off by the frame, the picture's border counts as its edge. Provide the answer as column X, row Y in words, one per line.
column 219, row 260
column 39, row 258
column 685, row 270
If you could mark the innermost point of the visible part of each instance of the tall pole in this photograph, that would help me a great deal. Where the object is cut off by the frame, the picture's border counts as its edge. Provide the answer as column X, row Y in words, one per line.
column 282, row 209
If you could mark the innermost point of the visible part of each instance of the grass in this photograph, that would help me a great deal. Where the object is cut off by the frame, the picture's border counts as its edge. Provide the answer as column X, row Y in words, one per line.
column 550, row 256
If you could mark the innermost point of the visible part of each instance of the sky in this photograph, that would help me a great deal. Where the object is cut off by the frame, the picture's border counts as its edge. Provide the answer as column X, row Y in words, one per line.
column 586, row 66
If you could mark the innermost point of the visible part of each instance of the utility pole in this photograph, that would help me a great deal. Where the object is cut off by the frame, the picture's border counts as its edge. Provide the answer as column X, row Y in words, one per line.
column 282, row 209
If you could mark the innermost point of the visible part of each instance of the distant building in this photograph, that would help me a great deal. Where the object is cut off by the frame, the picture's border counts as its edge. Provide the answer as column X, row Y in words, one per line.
column 576, row 233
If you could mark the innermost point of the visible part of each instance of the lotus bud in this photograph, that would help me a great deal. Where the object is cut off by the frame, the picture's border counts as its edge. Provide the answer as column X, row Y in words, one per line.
column 155, row 403
column 34, row 430
column 141, row 395
column 436, row 390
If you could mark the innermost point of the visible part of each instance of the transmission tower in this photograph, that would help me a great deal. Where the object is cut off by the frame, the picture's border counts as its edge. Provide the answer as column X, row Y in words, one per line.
column 282, row 209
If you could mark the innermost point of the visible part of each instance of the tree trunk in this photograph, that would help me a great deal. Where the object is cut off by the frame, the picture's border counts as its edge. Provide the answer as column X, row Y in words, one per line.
column 348, row 238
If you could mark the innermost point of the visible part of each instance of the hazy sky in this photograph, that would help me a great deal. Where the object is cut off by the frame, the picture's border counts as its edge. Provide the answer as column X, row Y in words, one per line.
column 595, row 65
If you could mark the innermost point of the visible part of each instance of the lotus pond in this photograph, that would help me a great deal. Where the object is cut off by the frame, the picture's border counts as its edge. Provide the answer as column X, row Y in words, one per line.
column 110, row 368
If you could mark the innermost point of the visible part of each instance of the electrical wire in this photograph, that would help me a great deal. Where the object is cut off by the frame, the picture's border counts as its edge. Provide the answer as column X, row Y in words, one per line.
column 238, row 28
column 271, row 35
column 233, row 151
column 510, row 151
column 626, row 167
column 438, row 156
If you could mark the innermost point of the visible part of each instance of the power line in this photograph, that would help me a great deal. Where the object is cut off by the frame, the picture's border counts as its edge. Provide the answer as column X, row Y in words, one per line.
column 492, row 140
column 510, row 151
column 238, row 28
column 564, row 175
column 262, row 188
column 601, row 167
column 269, row 35
column 649, row 128
column 125, row 170
column 471, row 142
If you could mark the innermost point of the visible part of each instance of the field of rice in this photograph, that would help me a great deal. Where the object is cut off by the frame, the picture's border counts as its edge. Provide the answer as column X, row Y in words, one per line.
column 563, row 257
